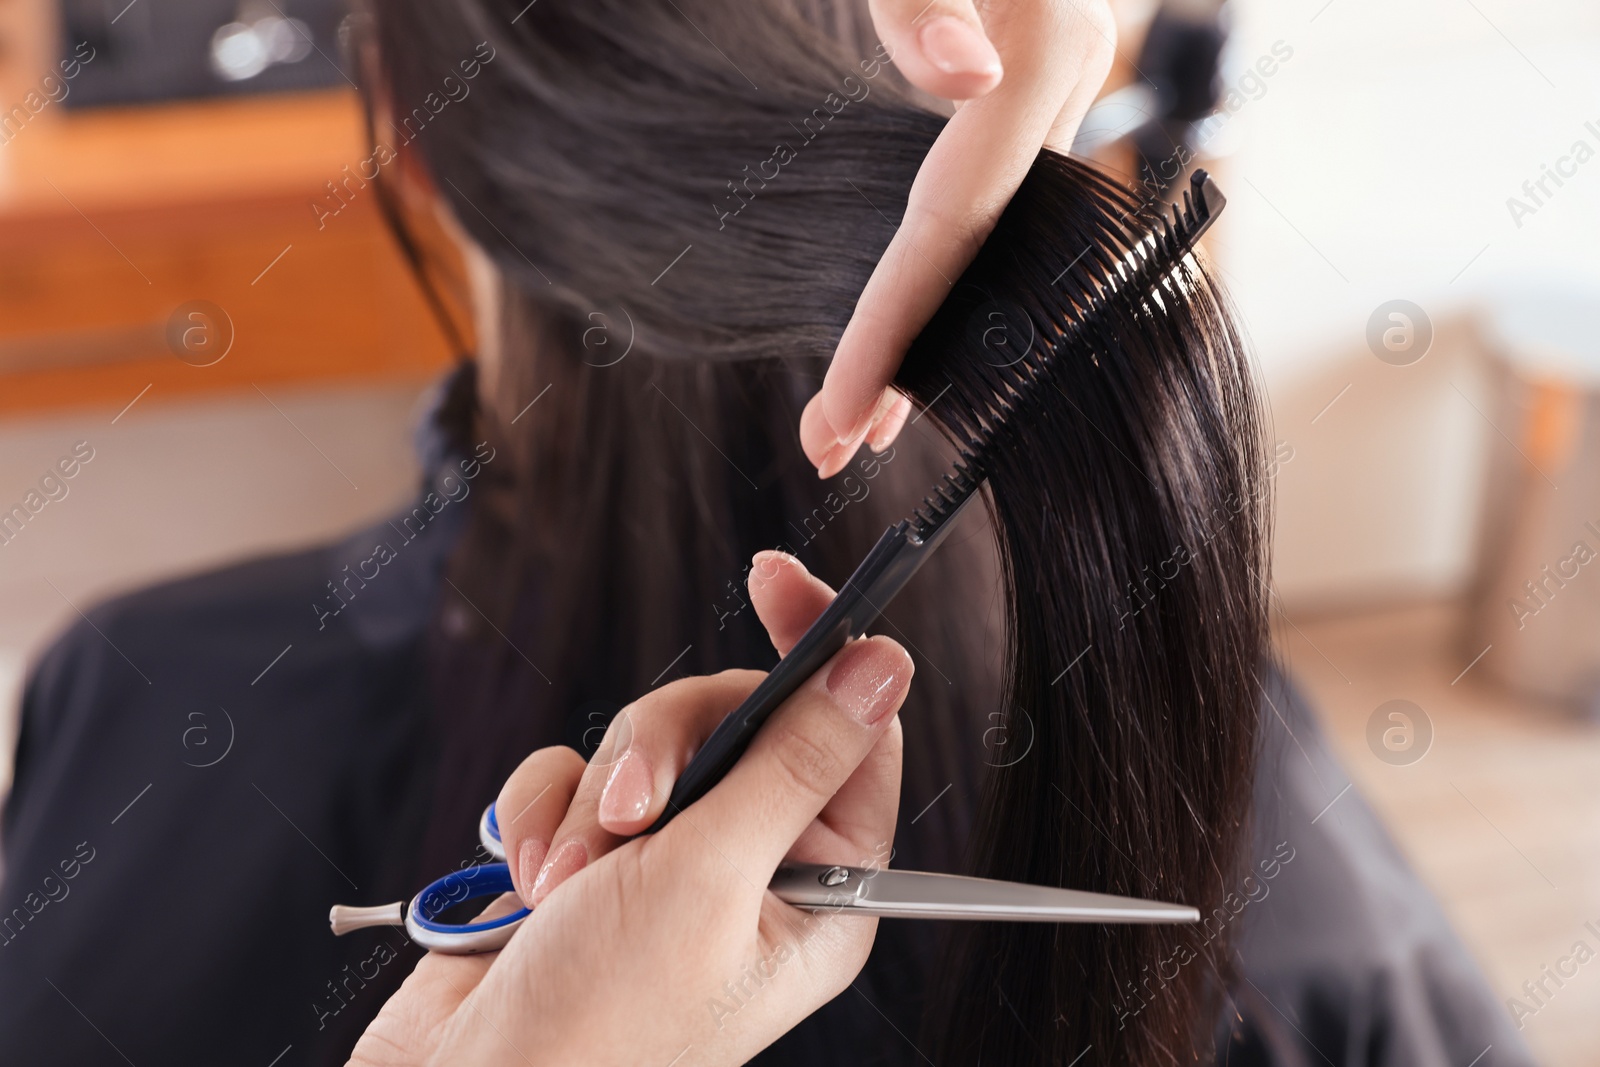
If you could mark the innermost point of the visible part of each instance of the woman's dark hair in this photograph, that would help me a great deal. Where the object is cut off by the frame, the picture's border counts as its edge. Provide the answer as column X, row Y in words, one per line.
column 683, row 201
column 1129, row 514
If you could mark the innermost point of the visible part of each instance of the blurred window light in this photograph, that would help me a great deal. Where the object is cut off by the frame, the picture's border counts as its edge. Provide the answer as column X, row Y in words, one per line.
column 242, row 50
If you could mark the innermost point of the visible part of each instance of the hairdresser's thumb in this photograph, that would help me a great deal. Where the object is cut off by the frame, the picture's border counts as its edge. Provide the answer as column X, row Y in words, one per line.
column 940, row 47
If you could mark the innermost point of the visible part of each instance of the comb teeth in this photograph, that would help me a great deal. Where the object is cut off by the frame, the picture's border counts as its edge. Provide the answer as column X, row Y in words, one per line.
column 1133, row 277
column 953, row 488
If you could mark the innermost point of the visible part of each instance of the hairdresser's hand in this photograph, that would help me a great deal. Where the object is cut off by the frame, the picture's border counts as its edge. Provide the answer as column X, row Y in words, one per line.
column 1025, row 73
column 639, row 949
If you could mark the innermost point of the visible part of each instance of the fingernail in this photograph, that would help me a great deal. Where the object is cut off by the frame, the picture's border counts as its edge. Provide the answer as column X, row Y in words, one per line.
column 869, row 677
column 889, row 426
column 839, row 455
column 628, row 789
column 765, row 565
column 529, row 857
column 864, row 424
column 956, row 46
column 834, row 461
column 567, row 860
column 880, row 412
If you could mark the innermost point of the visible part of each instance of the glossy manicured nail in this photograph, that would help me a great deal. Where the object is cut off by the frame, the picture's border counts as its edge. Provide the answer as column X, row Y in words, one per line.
column 864, row 424
column 869, row 677
column 765, row 565
column 839, row 455
column 888, row 427
column 628, row 789
column 833, row 461
column 530, row 856
column 955, row 46
column 817, row 434
column 566, row 860
column 880, row 412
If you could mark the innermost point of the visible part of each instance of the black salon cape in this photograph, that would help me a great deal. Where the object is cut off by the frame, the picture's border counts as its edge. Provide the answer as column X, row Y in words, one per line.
column 206, row 766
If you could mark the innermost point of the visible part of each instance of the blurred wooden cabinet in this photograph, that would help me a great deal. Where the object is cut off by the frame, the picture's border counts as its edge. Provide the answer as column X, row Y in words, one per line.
column 27, row 39
column 113, row 221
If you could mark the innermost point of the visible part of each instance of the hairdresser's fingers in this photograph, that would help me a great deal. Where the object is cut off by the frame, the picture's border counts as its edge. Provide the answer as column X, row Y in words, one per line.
column 1057, row 53
column 856, row 825
column 786, row 596
column 888, row 413
column 940, row 46
column 626, row 786
column 887, row 428
column 407, row 1029
column 531, row 806
column 802, row 757
column 822, row 445
column 1100, row 37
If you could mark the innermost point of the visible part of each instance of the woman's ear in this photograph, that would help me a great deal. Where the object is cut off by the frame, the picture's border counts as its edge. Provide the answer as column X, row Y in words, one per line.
column 483, row 294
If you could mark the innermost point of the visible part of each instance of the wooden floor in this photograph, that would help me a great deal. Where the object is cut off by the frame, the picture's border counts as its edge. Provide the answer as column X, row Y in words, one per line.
column 1501, row 817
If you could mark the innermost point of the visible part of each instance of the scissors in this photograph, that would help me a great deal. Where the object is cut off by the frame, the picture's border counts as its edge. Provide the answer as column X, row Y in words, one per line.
column 810, row 886
column 884, row 571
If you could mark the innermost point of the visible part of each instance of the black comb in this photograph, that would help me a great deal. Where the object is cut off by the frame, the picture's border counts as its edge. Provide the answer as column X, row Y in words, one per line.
column 907, row 544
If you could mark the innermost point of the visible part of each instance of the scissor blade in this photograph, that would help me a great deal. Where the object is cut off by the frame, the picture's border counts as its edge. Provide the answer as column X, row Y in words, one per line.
column 923, row 895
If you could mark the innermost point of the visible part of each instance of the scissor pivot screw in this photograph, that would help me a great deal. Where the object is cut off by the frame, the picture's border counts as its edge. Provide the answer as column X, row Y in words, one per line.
column 834, row 876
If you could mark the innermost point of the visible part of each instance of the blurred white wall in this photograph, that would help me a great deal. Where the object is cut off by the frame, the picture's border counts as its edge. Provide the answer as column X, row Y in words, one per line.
column 178, row 486
column 1373, row 164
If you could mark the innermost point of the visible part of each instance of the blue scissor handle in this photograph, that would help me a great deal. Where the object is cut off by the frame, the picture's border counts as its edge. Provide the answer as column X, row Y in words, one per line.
column 489, row 834
column 457, row 887
column 904, row 894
